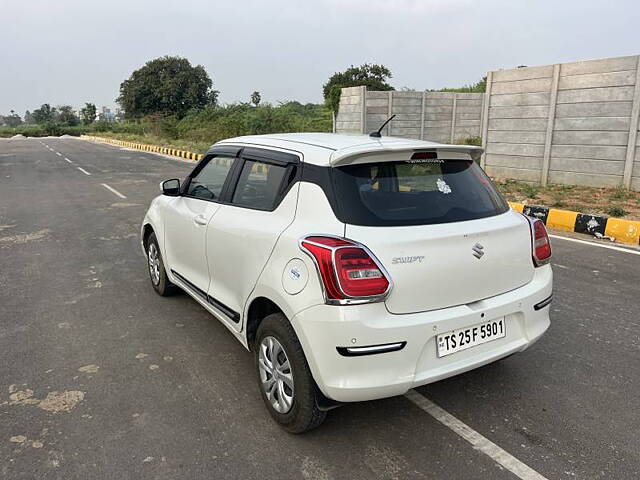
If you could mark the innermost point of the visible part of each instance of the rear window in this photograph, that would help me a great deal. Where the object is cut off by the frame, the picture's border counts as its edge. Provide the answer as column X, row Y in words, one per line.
column 420, row 192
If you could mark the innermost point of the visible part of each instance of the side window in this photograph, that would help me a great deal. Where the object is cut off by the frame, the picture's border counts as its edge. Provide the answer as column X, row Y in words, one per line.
column 259, row 185
column 208, row 183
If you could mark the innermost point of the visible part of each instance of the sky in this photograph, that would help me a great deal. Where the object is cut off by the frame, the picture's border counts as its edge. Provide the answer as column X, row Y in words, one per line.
column 76, row 51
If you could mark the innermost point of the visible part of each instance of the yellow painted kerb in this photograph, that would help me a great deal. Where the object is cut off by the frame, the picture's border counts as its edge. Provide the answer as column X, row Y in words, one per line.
column 518, row 207
column 148, row 148
column 561, row 219
column 625, row 231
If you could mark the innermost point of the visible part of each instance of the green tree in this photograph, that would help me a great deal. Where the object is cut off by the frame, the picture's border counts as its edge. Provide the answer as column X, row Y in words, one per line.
column 28, row 118
column 255, row 98
column 12, row 120
column 374, row 77
column 44, row 114
column 478, row 87
column 88, row 113
column 66, row 116
column 167, row 86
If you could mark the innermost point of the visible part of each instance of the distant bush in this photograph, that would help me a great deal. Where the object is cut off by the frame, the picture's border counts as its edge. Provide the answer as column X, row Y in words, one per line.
column 118, row 127
column 216, row 123
column 471, row 141
column 47, row 129
column 202, row 126
column 478, row 87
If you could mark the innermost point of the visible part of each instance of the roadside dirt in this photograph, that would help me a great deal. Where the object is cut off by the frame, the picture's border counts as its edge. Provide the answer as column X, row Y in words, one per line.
column 613, row 202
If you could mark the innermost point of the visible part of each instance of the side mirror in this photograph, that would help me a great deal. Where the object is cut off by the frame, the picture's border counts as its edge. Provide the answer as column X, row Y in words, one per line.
column 171, row 187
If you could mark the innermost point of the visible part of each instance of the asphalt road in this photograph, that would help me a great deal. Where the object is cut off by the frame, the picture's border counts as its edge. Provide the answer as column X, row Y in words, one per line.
column 102, row 378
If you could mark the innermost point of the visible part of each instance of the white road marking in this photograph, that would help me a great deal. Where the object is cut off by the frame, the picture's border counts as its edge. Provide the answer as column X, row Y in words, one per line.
column 59, row 154
column 68, row 160
column 610, row 247
column 83, row 170
column 478, row 442
column 113, row 190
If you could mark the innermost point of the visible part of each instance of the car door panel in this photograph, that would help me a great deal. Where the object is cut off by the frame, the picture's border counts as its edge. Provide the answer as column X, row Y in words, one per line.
column 186, row 222
column 240, row 239
column 239, row 243
column 188, row 215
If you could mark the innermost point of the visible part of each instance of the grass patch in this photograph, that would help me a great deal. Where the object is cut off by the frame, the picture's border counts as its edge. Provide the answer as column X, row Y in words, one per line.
column 614, row 202
column 519, row 191
column 558, row 199
column 620, row 193
column 616, row 211
column 530, row 191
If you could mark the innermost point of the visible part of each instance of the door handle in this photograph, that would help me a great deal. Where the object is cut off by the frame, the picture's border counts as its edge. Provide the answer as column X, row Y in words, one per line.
column 200, row 220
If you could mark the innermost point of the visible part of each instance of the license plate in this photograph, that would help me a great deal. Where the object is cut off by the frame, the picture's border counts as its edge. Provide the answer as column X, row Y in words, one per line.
column 463, row 338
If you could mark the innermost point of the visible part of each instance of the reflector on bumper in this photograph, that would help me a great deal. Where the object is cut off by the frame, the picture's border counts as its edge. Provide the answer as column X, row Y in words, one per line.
column 370, row 349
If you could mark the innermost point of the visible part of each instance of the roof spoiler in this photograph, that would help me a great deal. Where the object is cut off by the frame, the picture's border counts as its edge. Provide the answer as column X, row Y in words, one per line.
column 394, row 152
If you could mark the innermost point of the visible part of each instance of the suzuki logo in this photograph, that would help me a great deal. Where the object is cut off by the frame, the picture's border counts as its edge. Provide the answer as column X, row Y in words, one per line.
column 478, row 250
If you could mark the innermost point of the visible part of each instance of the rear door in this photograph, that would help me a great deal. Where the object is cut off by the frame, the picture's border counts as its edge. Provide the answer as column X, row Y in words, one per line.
column 437, row 266
column 243, row 233
column 188, row 215
column 440, row 229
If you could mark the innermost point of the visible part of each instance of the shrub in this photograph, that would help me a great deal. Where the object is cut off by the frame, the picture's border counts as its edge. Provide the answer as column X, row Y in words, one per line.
column 558, row 199
column 471, row 141
column 616, row 211
column 207, row 126
column 43, row 130
column 530, row 191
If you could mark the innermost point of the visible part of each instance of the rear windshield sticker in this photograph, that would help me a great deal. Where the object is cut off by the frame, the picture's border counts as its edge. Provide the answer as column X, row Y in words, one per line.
column 443, row 187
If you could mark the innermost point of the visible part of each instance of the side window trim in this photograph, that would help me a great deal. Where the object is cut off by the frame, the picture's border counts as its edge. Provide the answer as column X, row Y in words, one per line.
column 273, row 157
column 232, row 152
column 289, row 161
column 232, row 181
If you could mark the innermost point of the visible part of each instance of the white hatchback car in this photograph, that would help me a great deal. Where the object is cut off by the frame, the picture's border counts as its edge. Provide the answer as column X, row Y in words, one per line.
column 353, row 267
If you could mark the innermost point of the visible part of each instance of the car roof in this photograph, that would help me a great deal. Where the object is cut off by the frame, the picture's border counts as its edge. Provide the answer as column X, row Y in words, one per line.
column 328, row 149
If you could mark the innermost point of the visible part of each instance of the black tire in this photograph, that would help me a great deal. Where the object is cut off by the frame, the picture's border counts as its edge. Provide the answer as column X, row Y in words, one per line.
column 304, row 414
column 161, row 285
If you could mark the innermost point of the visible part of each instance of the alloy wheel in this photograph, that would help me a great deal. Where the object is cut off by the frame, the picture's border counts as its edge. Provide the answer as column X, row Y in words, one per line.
column 275, row 374
column 154, row 263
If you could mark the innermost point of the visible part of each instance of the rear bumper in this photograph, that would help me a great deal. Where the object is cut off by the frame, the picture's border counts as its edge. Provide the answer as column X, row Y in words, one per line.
column 323, row 329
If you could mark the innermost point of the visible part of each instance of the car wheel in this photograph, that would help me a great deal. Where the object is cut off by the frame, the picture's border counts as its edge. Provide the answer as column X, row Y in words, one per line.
column 157, row 273
column 285, row 381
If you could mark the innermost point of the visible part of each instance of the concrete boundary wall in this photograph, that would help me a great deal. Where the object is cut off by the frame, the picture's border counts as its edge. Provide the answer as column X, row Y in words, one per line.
column 437, row 116
column 572, row 123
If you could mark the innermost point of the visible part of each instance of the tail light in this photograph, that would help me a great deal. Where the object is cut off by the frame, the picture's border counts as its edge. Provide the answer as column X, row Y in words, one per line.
column 349, row 271
column 540, row 245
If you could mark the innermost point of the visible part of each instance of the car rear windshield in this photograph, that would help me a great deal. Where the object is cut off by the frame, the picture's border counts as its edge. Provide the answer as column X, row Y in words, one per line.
column 422, row 192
